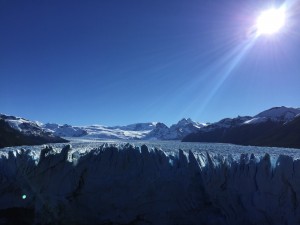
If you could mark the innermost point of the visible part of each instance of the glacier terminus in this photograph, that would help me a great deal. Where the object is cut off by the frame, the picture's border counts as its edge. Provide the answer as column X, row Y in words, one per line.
column 152, row 183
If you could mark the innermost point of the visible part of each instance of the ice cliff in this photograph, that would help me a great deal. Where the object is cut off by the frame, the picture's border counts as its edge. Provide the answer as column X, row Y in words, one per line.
column 137, row 185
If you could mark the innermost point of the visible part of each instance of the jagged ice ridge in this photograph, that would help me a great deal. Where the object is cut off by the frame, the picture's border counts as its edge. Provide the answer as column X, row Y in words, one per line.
column 124, row 184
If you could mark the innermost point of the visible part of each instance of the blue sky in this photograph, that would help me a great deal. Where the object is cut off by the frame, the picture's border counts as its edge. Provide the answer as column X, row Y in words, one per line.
column 119, row 62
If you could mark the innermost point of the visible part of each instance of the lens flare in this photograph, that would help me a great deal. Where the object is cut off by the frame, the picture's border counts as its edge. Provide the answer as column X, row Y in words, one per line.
column 270, row 21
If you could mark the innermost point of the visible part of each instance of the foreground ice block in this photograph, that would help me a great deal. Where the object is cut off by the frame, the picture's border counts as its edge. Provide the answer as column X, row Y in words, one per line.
column 136, row 185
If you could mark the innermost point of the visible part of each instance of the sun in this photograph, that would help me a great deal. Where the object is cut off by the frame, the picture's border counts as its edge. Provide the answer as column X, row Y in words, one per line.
column 270, row 21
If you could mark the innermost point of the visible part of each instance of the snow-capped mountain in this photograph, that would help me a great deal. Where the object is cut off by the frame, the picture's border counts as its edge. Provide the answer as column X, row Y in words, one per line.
column 20, row 131
column 185, row 127
column 245, row 130
column 145, row 131
column 276, row 114
column 135, row 131
column 228, row 123
column 279, row 114
column 279, row 126
column 22, row 125
column 176, row 131
column 136, row 127
column 64, row 130
column 160, row 131
column 132, row 131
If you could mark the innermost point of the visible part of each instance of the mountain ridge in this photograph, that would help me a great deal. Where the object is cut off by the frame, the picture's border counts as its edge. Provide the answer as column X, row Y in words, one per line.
column 275, row 127
column 16, row 131
column 139, row 131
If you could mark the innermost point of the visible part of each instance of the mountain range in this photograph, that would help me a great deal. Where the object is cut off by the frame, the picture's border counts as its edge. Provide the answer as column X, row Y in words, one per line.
column 137, row 131
column 278, row 126
column 15, row 131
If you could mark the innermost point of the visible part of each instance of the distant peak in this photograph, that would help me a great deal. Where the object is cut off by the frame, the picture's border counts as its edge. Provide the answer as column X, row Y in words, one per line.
column 184, row 120
column 160, row 125
column 278, row 107
column 281, row 113
column 282, row 108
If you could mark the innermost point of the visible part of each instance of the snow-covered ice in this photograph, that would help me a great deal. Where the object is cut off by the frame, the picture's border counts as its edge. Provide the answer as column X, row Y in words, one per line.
column 150, row 183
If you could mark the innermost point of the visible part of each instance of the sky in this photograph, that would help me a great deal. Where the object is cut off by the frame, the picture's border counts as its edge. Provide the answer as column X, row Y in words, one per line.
column 117, row 62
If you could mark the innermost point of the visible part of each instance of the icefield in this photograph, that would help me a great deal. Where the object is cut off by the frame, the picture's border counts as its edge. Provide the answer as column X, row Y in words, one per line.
column 137, row 184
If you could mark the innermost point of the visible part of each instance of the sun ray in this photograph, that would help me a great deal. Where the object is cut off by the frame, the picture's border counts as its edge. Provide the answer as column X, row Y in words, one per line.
column 270, row 21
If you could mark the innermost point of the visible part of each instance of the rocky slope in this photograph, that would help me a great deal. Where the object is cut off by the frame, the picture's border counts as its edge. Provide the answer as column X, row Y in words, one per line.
column 16, row 131
column 278, row 127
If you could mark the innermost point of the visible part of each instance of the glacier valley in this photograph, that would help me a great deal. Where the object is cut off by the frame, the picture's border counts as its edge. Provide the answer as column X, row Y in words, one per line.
column 163, row 182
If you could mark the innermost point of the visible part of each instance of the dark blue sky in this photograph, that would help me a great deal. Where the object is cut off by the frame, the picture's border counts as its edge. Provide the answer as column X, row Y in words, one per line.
column 119, row 62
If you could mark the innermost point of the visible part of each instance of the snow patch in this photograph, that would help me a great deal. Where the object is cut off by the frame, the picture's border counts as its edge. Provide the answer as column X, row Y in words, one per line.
column 256, row 120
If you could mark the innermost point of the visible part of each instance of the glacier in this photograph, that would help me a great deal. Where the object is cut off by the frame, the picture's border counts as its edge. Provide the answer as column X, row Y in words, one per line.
column 114, row 183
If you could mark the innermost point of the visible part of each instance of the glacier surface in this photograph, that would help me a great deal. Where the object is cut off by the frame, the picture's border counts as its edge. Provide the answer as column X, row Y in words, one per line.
column 117, row 183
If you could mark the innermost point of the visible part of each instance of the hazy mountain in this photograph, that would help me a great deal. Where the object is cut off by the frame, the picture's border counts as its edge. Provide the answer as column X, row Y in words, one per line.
column 132, row 131
column 136, row 126
column 146, row 131
column 64, row 130
column 174, row 132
